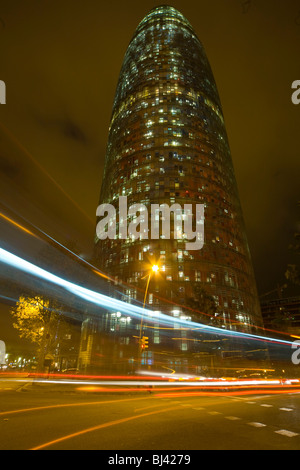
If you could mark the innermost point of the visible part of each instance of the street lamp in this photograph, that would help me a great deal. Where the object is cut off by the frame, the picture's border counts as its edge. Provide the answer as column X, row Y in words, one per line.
column 154, row 270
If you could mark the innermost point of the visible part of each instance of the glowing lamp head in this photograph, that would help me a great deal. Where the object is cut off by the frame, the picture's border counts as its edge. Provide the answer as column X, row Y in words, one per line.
column 155, row 268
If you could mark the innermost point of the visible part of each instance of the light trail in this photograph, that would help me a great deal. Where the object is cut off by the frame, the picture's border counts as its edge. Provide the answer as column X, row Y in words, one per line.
column 229, row 393
column 172, row 390
column 80, row 259
column 158, row 389
column 117, row 305
column 150, row 383
column 19, row 226
column 117, row 282
column 163, row 388
column 42, row 235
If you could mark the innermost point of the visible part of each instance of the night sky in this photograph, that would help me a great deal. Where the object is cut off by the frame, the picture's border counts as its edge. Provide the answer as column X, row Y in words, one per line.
column 61, row 59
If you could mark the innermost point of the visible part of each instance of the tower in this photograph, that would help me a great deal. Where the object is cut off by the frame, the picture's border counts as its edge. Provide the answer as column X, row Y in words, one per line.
column 167, row 144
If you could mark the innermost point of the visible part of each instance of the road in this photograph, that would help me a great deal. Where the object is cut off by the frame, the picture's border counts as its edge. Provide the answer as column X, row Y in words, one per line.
column 42, row 418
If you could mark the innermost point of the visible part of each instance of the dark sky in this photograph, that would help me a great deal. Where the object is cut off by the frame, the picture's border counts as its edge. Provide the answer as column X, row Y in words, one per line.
column 61, row 59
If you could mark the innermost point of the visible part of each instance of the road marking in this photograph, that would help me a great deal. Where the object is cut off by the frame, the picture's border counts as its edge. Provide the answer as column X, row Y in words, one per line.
column 257, row 425
column 259, row 397
column 200, row 408
column 70, row 405
column 23, row 387
column 251, row 402
column 232, row 418
column 284, row 432
column 266, row 406
column 286, row 409
column 150, row 406
column 213, row 413
column 101, row 426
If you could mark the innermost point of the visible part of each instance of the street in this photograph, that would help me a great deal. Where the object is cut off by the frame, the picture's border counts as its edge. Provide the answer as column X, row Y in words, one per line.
column 54, row 418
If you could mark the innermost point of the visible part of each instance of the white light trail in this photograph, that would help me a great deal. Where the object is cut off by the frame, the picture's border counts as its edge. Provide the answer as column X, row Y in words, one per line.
column 199, row 384
column 114, row 304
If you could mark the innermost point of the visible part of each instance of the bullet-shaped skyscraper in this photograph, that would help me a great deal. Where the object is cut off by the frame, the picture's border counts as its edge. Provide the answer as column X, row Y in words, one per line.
column 167, row 144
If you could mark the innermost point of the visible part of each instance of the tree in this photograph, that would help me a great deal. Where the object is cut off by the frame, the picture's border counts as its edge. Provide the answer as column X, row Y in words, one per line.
column 31, row 316
column 40, row 321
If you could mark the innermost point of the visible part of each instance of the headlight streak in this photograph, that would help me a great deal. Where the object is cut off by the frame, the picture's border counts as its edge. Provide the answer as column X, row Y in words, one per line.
column 163, row 385
column 114, row 304
column 147, row 383
column 214, row 387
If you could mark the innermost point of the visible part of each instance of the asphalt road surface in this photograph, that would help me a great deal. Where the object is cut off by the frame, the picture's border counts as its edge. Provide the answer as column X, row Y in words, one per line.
column 43, row 418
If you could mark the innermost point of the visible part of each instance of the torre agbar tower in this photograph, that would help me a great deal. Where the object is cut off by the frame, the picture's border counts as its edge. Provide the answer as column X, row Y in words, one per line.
column 167, row 144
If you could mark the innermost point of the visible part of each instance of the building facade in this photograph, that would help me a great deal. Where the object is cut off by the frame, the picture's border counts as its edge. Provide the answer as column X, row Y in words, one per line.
column 282, row 314
column 167, row 144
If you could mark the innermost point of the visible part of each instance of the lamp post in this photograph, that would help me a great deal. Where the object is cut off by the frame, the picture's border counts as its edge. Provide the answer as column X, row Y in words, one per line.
column 154, row 269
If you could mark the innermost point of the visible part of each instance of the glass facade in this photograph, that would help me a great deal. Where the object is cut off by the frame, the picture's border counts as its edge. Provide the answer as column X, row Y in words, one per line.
column 167, row 144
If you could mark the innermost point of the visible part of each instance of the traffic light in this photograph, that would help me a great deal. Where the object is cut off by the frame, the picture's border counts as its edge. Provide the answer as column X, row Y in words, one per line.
column 144, row 342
